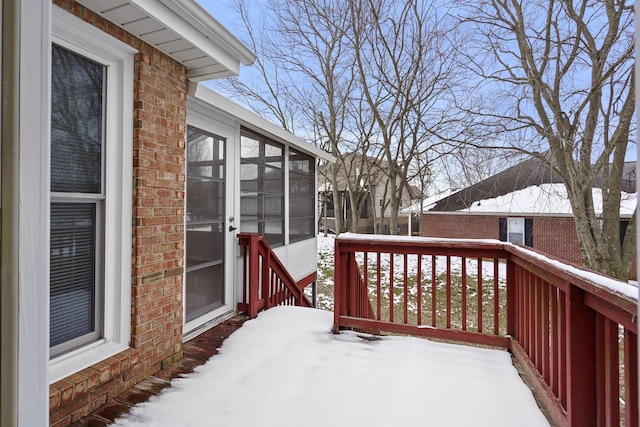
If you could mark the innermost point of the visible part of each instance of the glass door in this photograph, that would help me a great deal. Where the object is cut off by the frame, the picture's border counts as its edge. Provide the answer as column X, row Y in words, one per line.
column 205, row 225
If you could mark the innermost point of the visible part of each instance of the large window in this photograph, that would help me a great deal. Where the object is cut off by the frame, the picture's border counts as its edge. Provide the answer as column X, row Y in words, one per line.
column 302, row 198
column 262, row 188
column 77, row 198
column 90, row 211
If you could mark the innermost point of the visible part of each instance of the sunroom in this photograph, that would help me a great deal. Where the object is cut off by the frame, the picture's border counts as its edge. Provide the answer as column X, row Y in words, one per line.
column 244, row 175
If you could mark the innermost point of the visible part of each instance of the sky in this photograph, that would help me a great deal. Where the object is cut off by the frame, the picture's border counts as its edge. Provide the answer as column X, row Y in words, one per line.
column 224, row 12
column 286, row 368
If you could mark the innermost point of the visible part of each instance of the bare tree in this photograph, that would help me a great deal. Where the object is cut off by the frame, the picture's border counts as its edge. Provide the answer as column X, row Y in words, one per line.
column 406, row 77
column 565, row 70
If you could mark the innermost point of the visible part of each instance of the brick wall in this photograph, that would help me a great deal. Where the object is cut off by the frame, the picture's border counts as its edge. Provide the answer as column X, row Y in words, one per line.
column 553, row 235
column 460, row 226
column 557, row 236
column 158, row 233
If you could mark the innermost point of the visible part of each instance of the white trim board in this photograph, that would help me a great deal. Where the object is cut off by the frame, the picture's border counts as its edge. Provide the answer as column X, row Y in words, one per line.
column 225, row 107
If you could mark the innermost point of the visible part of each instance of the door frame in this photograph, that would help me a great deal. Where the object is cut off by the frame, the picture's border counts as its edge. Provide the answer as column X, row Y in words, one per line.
column 205, row 122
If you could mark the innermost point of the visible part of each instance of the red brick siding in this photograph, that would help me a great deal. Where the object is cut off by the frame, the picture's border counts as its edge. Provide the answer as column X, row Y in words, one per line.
column 557, row 236
column 553, row 235
column 460, row 226
column 158, row 232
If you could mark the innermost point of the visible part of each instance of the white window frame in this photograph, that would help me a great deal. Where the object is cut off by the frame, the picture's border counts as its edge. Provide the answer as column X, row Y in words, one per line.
column 513, row 223
column 76, row 35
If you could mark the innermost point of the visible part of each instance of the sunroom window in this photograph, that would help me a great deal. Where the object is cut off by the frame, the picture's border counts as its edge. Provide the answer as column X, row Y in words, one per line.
column 302, row 198
column 262, row 188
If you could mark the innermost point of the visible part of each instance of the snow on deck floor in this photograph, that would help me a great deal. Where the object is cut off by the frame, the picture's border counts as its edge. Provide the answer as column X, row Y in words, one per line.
column 286, row 368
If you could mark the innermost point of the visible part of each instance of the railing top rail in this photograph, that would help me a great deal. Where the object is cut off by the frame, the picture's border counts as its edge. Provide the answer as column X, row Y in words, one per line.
column 591, row 281
column 386, row 240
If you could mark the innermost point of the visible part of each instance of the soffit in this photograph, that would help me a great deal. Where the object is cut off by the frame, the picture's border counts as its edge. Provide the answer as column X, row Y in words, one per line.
column 182, row 30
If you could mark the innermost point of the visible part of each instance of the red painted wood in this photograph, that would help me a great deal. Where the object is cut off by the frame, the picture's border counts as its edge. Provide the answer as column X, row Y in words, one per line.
column 434, row 307
column 631, row 378
column 511, row 300
column 581, row 383
column 538, row 323
column 391, row 293
column 479, row 294
column 378, row 285
column 546, row 351
column 406, row 290
column 555, row 342
column 253, row 277
column 496, row 297
column 562, row 337
column 365, row 272
column 464, row 294
column 613, row 312
column 374, row 326
column 448, row 292
column 419, row 289
column 607, row 373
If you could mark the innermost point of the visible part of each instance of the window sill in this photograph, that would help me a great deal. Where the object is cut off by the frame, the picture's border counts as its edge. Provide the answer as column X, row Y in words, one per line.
column 87, row 358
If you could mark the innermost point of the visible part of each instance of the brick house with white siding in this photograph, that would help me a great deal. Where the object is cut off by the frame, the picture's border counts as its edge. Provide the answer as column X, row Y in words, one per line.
column 124, row 185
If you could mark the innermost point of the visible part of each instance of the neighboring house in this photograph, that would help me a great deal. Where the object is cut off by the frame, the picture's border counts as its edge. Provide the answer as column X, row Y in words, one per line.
column 370, row 183
column 124, row 185
column 526, row 204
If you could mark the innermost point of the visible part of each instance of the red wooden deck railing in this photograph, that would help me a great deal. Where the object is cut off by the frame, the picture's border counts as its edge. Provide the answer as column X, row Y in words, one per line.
column 575, row 337
column 266, row 281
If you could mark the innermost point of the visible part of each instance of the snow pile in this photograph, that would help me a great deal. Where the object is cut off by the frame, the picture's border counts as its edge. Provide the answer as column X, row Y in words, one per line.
column 286, row 368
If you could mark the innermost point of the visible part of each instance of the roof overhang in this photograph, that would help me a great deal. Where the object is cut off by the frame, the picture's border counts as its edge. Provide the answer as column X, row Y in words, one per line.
column 183, row 30
column 215, row 102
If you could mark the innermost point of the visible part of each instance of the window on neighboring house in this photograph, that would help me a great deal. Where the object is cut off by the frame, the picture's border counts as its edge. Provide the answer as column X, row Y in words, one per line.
column 516, row 230
column 90, row 212
column 262, row 187
column 302, row 198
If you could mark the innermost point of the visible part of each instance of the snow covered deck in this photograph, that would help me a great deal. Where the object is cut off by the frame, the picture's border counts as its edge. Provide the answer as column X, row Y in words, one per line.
column 286, row 368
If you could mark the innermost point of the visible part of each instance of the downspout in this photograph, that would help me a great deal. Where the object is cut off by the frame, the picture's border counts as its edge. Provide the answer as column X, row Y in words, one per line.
column 9, row 213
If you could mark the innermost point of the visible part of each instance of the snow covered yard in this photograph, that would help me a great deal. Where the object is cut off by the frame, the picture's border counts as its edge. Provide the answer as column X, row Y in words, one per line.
column 286, row 368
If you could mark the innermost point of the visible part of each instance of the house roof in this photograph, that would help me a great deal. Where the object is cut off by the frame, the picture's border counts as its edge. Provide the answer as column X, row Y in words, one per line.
column 250, row 120
column 544, row 199
column 183, row 30
column 530, row 187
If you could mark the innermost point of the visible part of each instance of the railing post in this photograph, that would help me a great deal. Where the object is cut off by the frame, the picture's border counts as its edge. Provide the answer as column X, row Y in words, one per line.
column 338, row 286
column 512, row 299
column 266, row 280
column 254, row 276
column 581, row 360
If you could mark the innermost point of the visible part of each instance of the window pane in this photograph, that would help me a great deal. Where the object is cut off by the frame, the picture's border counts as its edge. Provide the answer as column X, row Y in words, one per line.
column 516, row 238
column 205, row 200
column 205, row 291
column 205, row 154
column 249, row 147
column 262, row 188
column 72, row 271
column 302, row 196
column 77, row 110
